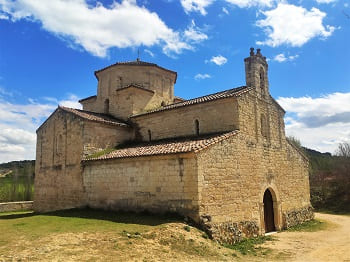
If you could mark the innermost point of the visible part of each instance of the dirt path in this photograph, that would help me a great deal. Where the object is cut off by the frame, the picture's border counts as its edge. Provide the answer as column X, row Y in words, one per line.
column 332, row 244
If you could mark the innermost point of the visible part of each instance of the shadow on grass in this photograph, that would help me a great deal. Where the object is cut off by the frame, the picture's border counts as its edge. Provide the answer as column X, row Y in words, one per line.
column 142, row 218
column 14, row 215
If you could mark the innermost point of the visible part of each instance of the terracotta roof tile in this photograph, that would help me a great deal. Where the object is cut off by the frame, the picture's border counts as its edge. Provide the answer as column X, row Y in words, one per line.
column 95, row 117
column 164, row 147
column 223, row 94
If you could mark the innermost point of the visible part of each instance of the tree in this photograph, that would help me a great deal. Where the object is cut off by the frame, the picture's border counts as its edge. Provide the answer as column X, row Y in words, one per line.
column 343, row 150
column 295, row 141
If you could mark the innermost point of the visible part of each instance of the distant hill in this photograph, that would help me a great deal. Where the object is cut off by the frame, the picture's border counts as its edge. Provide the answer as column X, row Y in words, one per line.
column 18, row 168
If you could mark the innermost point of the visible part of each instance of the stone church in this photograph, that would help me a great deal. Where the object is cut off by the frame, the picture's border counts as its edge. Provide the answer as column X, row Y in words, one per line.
column 221, row 159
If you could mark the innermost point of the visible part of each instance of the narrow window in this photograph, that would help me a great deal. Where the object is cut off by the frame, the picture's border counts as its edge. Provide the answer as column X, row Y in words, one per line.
column 59, row 145
column 106, row 107
column 263, row 126
column 262, row 81
column 196, row 126
column 149, row 135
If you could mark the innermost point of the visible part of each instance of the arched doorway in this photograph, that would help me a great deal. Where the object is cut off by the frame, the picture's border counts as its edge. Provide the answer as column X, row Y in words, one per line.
column 269, row 217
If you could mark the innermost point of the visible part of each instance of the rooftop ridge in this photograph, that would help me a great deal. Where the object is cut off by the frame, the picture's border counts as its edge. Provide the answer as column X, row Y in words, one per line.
column 202, row 99
column 136, row 63
column 166, row 146
column 94, row 117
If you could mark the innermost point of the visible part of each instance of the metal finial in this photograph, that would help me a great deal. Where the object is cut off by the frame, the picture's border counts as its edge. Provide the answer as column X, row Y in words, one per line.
column 138, row 54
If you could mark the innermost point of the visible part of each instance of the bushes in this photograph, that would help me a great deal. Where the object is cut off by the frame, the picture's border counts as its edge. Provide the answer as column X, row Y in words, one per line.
column 330, row 180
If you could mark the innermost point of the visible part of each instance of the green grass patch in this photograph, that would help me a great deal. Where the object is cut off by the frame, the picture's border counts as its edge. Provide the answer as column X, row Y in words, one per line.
column 100, row 153
column 250, row 245
column 310, row 226
column 33, row 226
column 16, row 188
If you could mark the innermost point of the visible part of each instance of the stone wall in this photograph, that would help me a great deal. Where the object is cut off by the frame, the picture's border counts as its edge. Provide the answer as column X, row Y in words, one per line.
column 16, row 206
column 296, row 216
column 62, row 141
column 232, row 232
column 98, row 136
column 58, row 182
column 116, row 77
column 156, row 184
column 214, row 116
column 236, row 172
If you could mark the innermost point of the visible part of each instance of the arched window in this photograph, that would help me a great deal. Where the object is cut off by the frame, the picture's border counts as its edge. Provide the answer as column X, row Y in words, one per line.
column 149, row 135
column 59, row 145
column 106, row 106
column 263, row 125
column 163, row 103
column 262, row 81
column 196, row 126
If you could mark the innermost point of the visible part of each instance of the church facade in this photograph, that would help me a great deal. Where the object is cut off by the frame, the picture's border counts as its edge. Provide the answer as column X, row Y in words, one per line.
column 222, row 160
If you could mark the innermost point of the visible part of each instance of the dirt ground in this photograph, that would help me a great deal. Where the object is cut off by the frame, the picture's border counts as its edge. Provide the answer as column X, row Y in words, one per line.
column 331, row 244
column 170, row 242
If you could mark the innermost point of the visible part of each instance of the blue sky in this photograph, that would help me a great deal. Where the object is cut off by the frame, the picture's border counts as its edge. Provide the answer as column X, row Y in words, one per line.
column 50, row 49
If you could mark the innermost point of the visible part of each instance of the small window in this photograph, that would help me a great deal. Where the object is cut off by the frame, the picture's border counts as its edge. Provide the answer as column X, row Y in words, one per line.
column 149, row 135
column 163, row 103
column 263, row 126
column 262, row 81
column 196, row 126
column 59, row 145
column 106, row 106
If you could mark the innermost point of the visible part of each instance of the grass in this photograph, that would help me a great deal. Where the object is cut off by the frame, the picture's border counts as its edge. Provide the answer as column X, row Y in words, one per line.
column 100, row 153
column 76, row 220
column 92, row 235
column 251, row 245
column 309, row 226
column 19, row 190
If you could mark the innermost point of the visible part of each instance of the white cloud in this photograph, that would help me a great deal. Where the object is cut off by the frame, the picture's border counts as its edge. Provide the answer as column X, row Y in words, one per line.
column 218, row 60
column 202, row 76
column 320, row 123
column 149, row 52
column 201, row 5
column 293, row 25
column 282, row 58
column 251, row 3
column 3, row 17
column 325, row 1
column 193, row 34
column 196, row 5
column 98, row 28
column 18, row 123
column 4, row 92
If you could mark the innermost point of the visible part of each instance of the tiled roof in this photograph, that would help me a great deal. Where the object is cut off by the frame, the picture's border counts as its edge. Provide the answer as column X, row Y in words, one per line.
column 164, row 147
column 137, row 63
column 223, row 94
column 87, row 98
column 95, row 117
column 136, row 86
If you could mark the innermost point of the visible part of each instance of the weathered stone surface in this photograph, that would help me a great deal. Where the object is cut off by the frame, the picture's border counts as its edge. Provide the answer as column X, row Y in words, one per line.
column 16, row 206
column 297, row 216
column 221, row 186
